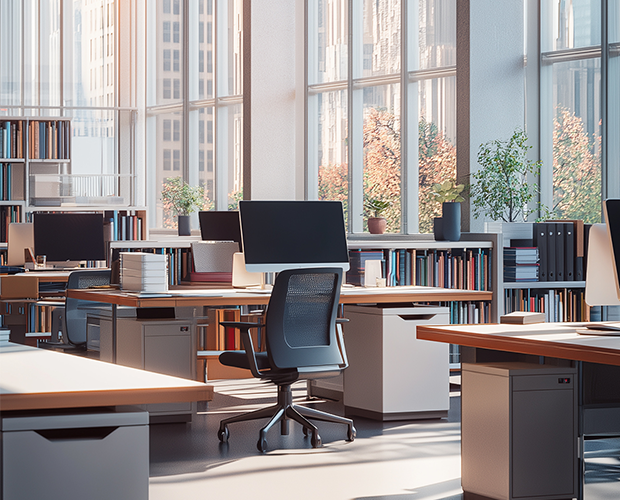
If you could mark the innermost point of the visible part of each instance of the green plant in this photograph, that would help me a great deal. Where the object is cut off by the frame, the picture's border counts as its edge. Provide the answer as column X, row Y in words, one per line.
column 448, row 190
column 376, row 206
column 500, row 188
column 180, row 197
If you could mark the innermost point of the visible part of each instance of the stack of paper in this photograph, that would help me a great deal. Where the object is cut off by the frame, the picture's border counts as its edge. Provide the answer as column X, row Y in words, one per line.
column 144, row 272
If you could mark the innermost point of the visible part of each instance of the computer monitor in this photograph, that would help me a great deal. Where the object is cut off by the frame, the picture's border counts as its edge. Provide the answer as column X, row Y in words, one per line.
column 600, row 277
column 220, row 226
column 64, row 237
column 280, row 235
column 20, row 236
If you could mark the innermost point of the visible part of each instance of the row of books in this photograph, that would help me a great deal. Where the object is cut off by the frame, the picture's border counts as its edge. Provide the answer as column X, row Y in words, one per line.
column 470, row 312
column 11, row 181
column 521, row 264
column 220, row 338
column 8, row 214
column 11, row 139
column 558, row 304
column 49, row 139
column 462, row 269
column 124, row 225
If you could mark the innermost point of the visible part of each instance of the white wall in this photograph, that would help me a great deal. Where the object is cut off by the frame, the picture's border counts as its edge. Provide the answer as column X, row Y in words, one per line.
column 277, row 95
column 496, row 63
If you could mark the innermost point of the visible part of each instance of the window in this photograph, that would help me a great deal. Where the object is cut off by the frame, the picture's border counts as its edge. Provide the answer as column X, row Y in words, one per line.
column 167, row 130
column 579, row 145
column 177, row 58
column 365, row 108
column 209, row 119
column 166, row 6
column 167, row 60
column 167, row 159
column 166, row 32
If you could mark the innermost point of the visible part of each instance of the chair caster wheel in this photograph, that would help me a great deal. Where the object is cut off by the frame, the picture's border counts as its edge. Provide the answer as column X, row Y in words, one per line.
column 351, row 433
column 262, row 445
column 223, row 435
column 316, row 440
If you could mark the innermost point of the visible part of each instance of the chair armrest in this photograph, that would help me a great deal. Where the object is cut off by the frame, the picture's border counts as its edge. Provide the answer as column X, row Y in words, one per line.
column 340, row 339
column 246, row 342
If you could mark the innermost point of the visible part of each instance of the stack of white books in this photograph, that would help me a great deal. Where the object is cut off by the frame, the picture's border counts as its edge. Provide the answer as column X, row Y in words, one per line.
column 144, row 272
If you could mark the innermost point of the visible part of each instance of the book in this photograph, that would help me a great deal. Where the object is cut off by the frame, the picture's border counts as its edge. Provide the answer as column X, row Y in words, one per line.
column 540, row 241
column 523, row 318
column 521, row 255
column 521, row 272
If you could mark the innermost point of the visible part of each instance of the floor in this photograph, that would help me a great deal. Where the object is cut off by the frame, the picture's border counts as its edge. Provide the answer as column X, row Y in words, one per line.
column 415, row 460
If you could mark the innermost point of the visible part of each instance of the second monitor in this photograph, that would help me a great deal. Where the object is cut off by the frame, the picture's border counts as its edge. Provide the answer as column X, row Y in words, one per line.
column 220, row 226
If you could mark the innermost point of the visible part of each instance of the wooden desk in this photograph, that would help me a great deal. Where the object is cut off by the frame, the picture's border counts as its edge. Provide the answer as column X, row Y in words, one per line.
column 36, row 379
column 230, row 297
column 551, row 340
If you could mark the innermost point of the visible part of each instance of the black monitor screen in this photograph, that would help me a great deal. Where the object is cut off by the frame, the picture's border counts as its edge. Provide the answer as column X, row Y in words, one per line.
column 220, row 226
column 280, row 235
column 69, row 237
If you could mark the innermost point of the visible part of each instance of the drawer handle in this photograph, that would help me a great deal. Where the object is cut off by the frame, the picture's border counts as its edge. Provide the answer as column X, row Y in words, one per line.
column 82, row 433
column 416, row 317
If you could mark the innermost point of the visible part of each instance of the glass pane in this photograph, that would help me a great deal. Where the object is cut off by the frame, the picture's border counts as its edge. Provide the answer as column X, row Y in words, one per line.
column 329, row 24
column 613, row 113
column 49, row 53
column 382, row 161
column 201, row 49
column 437, row 33
column 10, row 54
column 169, row 53
column 169, row 155
column 437, row 144
column 577, row 140
column 89, row 55
column 234, row 31
column 381, row 38
column 203, row 142
column 233, row 128
column 332, row 142
column 574, row 24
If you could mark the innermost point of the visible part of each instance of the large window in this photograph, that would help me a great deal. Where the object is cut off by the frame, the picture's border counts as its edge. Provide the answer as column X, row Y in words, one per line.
column 194, row 100
column 381, row 106
column 59, row 59
column 580, row 110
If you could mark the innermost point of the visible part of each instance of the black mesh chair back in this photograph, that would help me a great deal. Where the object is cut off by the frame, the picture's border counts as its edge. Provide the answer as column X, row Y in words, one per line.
column 75, row 309
column 301, row 318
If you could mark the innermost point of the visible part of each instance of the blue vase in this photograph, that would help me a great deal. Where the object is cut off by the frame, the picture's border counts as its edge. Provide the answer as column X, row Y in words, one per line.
column 451, row 221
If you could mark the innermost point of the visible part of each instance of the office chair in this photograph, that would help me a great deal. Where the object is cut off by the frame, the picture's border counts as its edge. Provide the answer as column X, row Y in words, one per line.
column 303, row 341
column 72, row 320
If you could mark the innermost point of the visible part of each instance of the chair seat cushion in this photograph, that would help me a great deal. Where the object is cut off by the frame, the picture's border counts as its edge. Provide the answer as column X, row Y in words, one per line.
column 239, row 359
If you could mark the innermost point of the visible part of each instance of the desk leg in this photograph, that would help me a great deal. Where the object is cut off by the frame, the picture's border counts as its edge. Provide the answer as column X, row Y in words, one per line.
column 114, row 333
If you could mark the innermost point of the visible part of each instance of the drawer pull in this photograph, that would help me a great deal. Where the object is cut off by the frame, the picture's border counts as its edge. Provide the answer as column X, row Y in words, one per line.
column 416, row 317
column 91, row 433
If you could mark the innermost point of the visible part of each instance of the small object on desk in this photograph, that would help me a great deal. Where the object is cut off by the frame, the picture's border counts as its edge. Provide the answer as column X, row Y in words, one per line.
column 523, row 318
column 612, row 329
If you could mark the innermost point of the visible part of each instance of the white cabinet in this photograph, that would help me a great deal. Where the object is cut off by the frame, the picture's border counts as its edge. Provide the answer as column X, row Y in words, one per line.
column 392, row 375
column 99, row 454
column 163, row 346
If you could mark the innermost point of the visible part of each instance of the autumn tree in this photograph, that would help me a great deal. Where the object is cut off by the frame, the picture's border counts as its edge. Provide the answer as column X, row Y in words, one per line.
column 576, row 169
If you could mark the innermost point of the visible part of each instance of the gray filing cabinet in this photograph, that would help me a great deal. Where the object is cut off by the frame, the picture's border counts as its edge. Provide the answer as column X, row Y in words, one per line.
column 519, row 431
column 99, row 454
column 165, row 346
column 392, row 375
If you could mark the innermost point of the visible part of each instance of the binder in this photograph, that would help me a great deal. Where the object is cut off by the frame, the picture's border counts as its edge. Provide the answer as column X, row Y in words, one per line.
column 551, row 253
column 569, row 252
column 578, row 249
column 559, row 250
column 540, row 241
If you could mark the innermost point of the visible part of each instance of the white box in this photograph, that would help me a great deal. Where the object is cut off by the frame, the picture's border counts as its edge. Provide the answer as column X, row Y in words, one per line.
column 392, row 375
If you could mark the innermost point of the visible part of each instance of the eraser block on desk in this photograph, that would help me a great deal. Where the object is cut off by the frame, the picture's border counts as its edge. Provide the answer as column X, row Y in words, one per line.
column 19, row 287
column 522, row 318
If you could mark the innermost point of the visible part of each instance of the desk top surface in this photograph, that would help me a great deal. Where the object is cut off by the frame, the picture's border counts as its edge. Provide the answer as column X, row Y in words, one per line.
column 228, row 296
column 556, row 340
column 32, row 379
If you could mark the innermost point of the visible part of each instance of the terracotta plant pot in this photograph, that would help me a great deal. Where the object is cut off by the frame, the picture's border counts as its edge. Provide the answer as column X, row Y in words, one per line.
column 376, row 225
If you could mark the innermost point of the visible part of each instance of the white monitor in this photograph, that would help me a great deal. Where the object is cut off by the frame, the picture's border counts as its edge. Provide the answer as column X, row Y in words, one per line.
column 279, row 235
column 19, row 236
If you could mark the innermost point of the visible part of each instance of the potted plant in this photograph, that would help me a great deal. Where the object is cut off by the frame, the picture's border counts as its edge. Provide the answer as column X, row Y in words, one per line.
column 500, row 188
column 376, row 222
column 182, row 199
column 450, row 195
